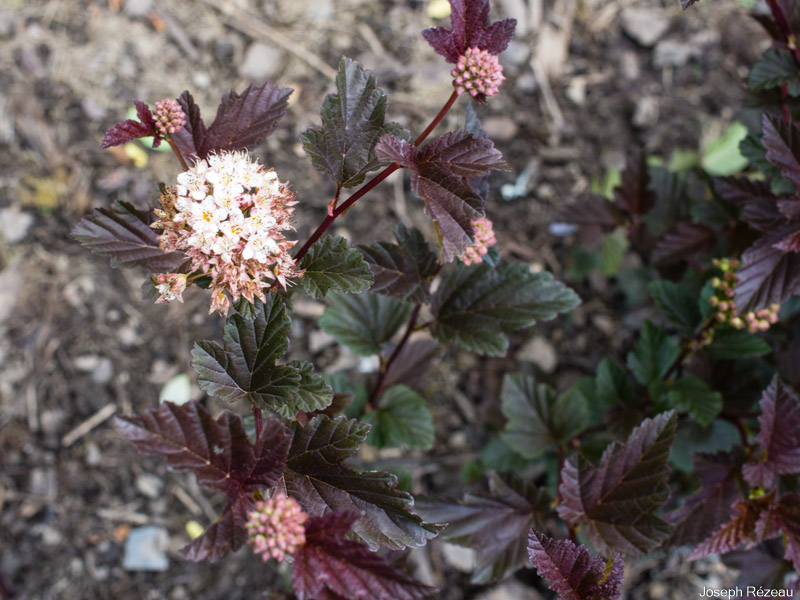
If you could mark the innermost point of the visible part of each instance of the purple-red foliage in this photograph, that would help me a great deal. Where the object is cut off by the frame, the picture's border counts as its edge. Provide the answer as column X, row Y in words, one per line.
column 572, row 572
column 469, row 29
column 222, row 458
column 779, row 438
column 440, row 174
column 128, row 130
column 329, row 566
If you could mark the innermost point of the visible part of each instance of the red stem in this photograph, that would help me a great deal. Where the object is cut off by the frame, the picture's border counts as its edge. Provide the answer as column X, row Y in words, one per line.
column 329, row 219
column 258, row 416
column 378, row 389
column 178, row 154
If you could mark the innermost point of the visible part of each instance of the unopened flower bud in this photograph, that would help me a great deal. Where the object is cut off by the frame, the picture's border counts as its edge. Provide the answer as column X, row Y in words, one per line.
column 484, row 239
column 477, row 72
column 276, row 527
column 169, row 116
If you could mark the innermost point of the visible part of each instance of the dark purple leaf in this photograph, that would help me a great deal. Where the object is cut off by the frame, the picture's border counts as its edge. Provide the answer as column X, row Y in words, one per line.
column 352, row 123
column 712, row 504
column 779, row 438
column 783, row 518
column 790, row 208
column 401, row 270
column 633, row 195
column 191, row 139
column 782, row 141
column 244, row 120
column 480, row 185
column 495, row 526
column 412, row 364
column 572, row 571
column 591, row 210
column 468, row 20
column 221, row 456
column 789, row 243
column 767, row 274
column 616, row 500
column 741, row 529
column 317, row 477
column 741, row 190
column 762, row 214
column 685, row 240
column 123, row 233
column 129, row 129
column 330, row 566
column 440, row 173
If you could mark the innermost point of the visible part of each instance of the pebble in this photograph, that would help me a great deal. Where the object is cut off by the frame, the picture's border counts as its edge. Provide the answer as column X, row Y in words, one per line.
column 318, row 339
column 501, row 128
column 43, row 483
column 104, row 372
column 144, row 549
column 261, row 61
column 138, row 8
column 50, row 535
column 646, row 112
column 539, row 352
column 92, row 456
column 15, row 224
column 460, row 558
column 510, row 590
column 149, row 485
column 671, row 53
column 644, row 26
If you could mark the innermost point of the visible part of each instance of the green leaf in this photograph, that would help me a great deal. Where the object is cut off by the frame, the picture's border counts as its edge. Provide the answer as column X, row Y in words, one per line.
column 401, row 419
column 776, row 68
column 653, row 355
column 401, row 270
column 730, row 343
column 317, row 477
column 244, row 368
column 612, row 251
column 352, row 123
column 476, row 306
column 692, row 395
column 677, row 305
column 313, row 393
column 331, row 266
column 364, row 321
column 612, row 384
column 499, row 456
column 538, row 419
column 722, row 156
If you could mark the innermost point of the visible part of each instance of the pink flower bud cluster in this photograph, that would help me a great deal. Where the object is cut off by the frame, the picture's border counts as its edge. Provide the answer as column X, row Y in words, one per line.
column 228, row 215
column 169, row 116
column 170, row 286
column 478, row 73
column 723, row 302
column 276, row 527
column 484, row 239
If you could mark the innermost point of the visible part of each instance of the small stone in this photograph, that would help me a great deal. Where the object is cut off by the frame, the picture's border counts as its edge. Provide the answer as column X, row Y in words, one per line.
column 629, row 65
column 138, row 8
column 92, row 456
column 500, row 128
column 15, row 224
column 50, row 536
column 201, row 80
column 510, row 590
column 460, row 558
column 144, row 549
column 149, row 485
column 644, row 26
column 646, row 112
column 576, row 90
column 604, row 323
column 104, row 372
column 318, row 339
column 308, row 309
column 671, row 53
column 51, row 421
column 43, row 483
column 261, row 61
column 540, row 352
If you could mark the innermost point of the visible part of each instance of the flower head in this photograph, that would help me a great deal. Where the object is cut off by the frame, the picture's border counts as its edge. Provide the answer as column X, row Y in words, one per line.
column 276, row 528
column 725, row 306
column 169, row 116
column 477, row 72
column 228, row 214
column 484, row 239
column 170, row 286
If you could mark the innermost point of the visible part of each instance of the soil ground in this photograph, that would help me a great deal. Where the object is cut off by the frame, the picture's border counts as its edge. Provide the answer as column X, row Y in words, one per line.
column 585, row 87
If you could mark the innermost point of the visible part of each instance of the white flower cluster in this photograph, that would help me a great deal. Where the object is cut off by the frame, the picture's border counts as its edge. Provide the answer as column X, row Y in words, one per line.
column 228, row 213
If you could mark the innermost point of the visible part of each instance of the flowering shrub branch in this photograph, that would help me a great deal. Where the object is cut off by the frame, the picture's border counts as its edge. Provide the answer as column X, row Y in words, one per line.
column 225, row 224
